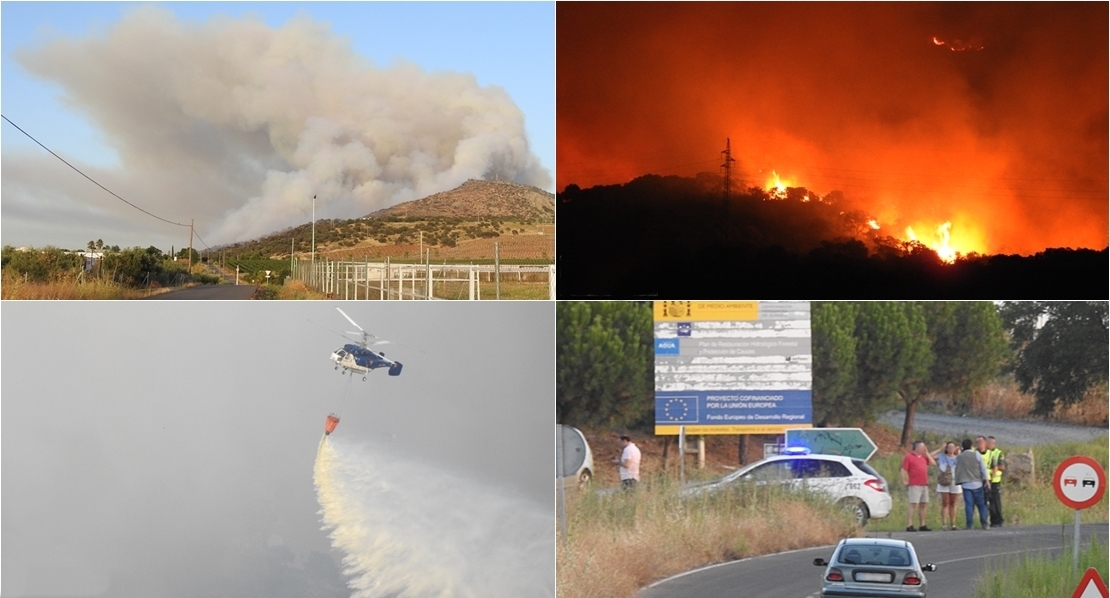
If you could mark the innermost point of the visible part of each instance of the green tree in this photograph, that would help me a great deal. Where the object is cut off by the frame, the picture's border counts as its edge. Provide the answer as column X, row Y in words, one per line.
column 834, row 361
column 41, row 264
column 605, row 363
column 135, row 266
column 891, row 346
column 969, row 347
column 1060, row 349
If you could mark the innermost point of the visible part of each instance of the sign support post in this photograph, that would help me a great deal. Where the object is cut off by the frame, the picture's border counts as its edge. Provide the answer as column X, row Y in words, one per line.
column 1075, row 546
column 682, row 454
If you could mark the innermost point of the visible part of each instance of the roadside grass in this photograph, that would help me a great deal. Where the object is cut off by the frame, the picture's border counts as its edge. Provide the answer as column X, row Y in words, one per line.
column 1032, row 503
column 14, row 287
column 292, row 290
column 620, row 542
column 1036, row 576
column 1003, row 399
column 510, row 289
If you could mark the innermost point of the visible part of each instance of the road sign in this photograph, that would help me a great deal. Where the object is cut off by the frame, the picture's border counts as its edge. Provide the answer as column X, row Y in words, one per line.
column 1079, row 482
column 732, row 367
column 1091, row 586
column 570, row 451
column 849, row 442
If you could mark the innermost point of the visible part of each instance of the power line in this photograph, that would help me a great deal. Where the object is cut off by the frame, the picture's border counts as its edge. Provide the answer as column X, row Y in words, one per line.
column 78, row 170
column 201, row 240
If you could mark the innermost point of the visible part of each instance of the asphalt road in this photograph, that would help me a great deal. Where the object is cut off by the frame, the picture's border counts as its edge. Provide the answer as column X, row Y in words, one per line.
column 960, row 556
column 1008, row 432
column 210, row 292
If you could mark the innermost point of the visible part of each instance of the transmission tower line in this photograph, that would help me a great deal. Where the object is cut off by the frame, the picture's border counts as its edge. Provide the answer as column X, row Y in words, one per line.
column 727, row 166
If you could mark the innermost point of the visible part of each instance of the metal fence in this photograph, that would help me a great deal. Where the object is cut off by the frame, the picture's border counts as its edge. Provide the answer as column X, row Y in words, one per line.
column 350, row 280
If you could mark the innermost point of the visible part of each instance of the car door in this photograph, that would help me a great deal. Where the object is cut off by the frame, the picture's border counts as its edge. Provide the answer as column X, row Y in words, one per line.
column 823, row 476
column 773, row 472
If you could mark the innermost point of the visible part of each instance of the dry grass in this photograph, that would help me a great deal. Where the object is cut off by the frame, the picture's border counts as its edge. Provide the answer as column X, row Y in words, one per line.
column 619, row 543
column 71, row 287
column 1003, row 400
column 297, row 289
column 534, row 242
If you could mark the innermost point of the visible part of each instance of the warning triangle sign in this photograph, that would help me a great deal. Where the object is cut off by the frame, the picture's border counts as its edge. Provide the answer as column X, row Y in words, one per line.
column 1091, row 586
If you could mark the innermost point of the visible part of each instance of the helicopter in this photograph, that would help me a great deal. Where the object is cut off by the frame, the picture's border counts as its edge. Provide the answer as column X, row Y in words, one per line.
column 357, row 358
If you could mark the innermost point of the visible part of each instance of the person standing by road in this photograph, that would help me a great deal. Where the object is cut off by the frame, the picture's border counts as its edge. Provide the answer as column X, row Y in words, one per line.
column 946, row 485
column 629, row 463
column 915, row 476
column 984, row 454
column 996, row 464
column 971, row 475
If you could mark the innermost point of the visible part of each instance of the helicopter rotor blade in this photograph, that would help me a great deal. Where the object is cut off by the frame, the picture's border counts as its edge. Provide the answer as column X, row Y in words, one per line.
column 326, row 328
column 353, row 323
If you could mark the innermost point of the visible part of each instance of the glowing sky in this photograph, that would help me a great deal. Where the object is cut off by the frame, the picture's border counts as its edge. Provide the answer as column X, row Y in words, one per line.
column 1005, row 138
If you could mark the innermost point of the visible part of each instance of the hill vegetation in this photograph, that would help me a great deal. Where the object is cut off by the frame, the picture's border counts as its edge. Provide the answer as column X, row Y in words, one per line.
column 460, row 224
column 672, row 236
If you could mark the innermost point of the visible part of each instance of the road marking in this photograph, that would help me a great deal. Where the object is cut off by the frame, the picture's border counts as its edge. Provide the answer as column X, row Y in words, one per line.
column 751, row 558
column 983, row 556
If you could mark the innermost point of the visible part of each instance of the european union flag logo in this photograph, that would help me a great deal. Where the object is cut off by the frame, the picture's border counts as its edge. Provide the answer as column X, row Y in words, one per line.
column 679, row 410
column 685, row 328
column 666, row 346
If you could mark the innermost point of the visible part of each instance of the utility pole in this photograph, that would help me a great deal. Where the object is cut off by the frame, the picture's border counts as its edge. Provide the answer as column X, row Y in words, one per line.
column 727, row 166
column 313, row 235
column 190, row 244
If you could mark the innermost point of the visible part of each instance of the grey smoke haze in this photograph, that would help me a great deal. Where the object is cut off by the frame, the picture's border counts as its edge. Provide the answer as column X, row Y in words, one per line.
column 153, row 450
column 244, row 123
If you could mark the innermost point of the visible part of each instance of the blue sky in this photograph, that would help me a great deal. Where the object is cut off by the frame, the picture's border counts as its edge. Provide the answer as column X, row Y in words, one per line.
column 509, row 45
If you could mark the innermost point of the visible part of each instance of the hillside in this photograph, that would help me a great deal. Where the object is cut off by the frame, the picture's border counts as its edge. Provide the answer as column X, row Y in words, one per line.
column 460, row 224
column 476, row 199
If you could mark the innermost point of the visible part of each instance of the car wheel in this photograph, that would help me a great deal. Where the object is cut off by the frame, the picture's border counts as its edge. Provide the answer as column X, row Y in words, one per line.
column 857, row 509
column 584, row 479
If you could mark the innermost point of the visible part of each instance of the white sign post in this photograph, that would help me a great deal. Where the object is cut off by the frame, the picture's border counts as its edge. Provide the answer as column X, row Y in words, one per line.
column 1079, row 483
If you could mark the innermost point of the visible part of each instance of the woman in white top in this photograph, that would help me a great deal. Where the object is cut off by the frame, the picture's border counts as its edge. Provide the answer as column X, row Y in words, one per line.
column 946, row 464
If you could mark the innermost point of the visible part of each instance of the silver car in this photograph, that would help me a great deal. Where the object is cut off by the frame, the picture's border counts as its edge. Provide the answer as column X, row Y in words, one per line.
column 874, row 567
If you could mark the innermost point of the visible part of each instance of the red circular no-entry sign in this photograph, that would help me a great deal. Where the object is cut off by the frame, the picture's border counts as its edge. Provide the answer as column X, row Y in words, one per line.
column 1079, row 482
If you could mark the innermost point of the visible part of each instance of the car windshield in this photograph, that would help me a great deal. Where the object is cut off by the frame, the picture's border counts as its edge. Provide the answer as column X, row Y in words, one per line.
column 885, row 556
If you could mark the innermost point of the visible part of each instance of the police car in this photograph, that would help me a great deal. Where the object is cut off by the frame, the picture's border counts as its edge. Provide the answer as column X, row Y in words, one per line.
column 852, row 483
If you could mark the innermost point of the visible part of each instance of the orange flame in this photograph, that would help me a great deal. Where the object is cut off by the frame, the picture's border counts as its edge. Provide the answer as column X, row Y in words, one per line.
column 777, row 186
column 873, row 224
column 941, row 243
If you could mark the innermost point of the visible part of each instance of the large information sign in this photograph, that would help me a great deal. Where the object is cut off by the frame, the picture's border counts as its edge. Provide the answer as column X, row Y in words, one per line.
column 732, row 367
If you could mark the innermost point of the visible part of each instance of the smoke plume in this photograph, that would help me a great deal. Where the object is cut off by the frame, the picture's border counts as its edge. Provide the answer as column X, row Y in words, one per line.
column 240, row 124
column 411, row 531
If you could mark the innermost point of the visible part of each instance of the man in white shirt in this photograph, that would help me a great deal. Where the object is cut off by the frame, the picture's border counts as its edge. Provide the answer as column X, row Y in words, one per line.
column 630, row 463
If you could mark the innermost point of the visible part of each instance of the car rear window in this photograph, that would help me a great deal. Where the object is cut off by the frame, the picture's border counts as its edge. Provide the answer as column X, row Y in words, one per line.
column 881, row 556
column 865, row 468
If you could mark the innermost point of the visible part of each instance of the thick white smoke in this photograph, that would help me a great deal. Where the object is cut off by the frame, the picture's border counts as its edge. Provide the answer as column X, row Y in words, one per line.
column 271, row 117
column 412, row 531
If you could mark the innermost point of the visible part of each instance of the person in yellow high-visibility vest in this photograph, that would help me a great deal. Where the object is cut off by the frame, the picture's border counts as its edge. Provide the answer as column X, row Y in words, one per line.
column 985, row 456
column 996, row 464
